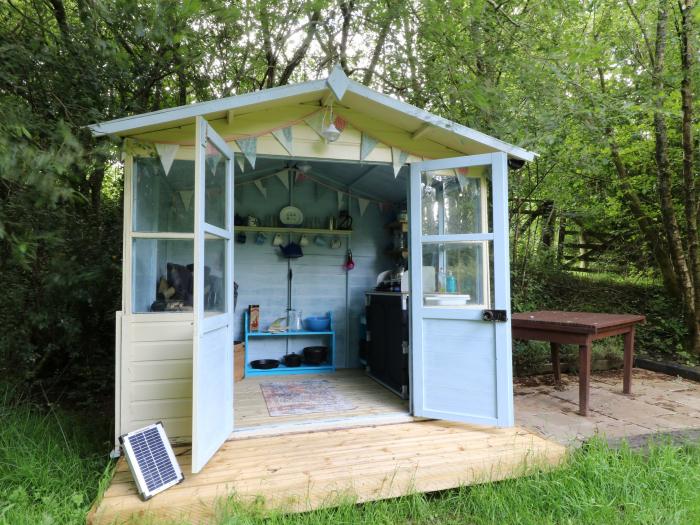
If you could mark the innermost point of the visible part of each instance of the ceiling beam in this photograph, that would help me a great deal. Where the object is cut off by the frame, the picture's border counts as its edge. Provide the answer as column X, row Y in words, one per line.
column 421, row 131
column 229, row 117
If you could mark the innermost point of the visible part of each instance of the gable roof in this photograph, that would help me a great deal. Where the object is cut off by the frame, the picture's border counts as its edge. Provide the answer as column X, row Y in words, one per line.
column 351, row 95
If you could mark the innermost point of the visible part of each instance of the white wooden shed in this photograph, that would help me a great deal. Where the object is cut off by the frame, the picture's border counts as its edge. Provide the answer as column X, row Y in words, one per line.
column 175, row 365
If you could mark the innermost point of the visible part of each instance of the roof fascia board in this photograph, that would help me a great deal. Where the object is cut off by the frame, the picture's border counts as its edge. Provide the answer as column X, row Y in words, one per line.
column 439, row 122
column 165, row 116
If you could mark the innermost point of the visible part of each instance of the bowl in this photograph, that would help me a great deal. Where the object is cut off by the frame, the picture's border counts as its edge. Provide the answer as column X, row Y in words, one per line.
column 264, row 364
column 317, row 324
column 315, row 355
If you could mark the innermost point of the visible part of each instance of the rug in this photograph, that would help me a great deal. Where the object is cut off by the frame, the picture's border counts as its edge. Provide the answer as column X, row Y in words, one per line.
column 292, row 398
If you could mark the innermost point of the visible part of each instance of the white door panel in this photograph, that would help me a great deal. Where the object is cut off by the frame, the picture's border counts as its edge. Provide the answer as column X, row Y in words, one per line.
column 212, row 363
column 461, row 368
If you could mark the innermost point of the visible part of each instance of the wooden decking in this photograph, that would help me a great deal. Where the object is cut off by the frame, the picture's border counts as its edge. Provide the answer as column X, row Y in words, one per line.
column 305, row 471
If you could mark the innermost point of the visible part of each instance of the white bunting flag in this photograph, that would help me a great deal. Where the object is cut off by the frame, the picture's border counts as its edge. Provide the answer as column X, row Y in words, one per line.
column 241, row 161
column 398, row 159
column 166, row 153
column 461, row 174
column 263, row 189
column 283, row 177
column 249, row 148
column 315, row 122
column 340, row 200
column 284, row 137
column 367, row 145
column 362, row 204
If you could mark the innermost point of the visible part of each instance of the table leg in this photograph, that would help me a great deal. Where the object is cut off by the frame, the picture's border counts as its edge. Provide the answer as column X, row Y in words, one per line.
column 628, row 362
column 584, row 378
column 556, row 365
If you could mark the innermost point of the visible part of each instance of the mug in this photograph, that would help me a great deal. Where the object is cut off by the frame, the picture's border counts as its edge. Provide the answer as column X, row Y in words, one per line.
column 319, row 241
column 335, row 243
column 277, row 240
column 260, row 238
column 241, row 238
column 304, row 240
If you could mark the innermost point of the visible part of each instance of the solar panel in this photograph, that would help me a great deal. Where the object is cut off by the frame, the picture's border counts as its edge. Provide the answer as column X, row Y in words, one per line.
column 151, row 460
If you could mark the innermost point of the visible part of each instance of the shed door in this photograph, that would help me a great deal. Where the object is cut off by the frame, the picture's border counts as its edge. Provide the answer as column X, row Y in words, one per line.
column 461, row 364
column 212, row 374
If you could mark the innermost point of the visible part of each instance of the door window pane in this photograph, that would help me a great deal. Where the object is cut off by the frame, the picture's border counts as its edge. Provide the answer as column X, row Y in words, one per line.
column 214, row 274
column 162, row 275
column 215, row 184
column 163, row 203
column 453, row 201
column 456, row 274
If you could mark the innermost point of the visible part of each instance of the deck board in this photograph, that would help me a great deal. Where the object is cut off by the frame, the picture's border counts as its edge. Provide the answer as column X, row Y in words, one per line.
column 301, row 472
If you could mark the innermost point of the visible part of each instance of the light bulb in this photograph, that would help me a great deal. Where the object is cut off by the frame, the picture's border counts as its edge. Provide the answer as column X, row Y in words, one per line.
column 331, row 133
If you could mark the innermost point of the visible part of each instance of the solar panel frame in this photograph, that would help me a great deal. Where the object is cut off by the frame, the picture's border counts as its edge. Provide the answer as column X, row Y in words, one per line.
column 150, row 457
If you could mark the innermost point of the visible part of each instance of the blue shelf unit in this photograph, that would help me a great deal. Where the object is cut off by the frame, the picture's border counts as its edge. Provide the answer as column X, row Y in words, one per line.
column 285, row 370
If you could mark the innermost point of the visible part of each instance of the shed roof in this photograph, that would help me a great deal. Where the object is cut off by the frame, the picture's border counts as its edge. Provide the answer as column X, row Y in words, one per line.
column 355, row 100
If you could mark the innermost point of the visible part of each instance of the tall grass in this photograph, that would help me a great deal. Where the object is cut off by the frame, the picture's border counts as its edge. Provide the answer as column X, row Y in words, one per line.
column 51, row 464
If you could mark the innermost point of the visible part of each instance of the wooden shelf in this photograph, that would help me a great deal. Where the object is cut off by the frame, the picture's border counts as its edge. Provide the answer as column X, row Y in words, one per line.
column 285, row 370
column 282, row 229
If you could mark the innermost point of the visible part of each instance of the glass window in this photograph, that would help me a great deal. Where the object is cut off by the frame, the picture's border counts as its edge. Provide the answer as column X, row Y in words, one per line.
column 214, row 274
column 162, row 275
column 452, row 201
column 215, row 183
column 163, row 203
column 456, row 274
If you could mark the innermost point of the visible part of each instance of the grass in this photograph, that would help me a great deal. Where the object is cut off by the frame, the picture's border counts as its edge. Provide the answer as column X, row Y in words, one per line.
column 53, row 464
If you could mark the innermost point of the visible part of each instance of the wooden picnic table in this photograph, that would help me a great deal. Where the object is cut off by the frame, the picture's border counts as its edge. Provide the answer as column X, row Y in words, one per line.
column 579, row 328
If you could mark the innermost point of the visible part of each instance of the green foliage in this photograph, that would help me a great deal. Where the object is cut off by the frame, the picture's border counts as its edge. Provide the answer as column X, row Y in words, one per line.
column 51, row 464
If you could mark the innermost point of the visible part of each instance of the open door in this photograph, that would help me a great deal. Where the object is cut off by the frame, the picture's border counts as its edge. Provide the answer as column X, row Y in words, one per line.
column 460, row 290
column 212, row 363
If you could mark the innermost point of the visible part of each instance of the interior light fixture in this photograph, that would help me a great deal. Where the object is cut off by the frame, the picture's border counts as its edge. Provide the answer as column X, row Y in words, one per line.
column 330, row 132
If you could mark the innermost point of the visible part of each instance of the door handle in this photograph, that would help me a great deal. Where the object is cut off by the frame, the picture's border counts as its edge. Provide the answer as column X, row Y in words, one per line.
column 500, row 316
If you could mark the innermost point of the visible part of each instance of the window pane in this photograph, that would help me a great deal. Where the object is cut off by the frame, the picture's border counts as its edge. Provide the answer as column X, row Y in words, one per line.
column 456, row 274
column 452, row 201
column 162, row 275
column 163, row 203
column 215, row 183
column 214, row 274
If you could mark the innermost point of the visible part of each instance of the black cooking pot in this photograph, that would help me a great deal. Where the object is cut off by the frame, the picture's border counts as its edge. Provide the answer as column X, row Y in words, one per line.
column 292, row 360
column 265, row 364
column 315, row 355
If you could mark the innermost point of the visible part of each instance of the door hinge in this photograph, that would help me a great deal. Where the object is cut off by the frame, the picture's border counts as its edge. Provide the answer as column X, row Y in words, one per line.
column 404, row 346
column 500, row 316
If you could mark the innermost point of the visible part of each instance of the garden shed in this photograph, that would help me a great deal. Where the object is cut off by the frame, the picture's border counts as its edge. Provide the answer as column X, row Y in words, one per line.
column 321, row 199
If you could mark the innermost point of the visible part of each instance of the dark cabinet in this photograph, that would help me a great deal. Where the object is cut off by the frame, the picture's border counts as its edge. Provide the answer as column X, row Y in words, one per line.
column 387, row 340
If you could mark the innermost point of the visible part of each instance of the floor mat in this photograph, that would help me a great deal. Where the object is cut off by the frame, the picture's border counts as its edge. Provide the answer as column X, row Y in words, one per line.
column 290, row 398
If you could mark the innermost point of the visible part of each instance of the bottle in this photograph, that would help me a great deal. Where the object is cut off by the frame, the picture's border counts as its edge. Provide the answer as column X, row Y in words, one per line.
column 451, row 283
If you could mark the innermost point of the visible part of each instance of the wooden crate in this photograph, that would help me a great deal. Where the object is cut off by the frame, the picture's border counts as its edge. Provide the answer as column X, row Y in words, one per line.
column 238, row 361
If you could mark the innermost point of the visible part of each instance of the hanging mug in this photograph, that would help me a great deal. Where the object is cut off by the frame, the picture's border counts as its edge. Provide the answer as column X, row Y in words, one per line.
column 304, row 240
column 335, row 243
column 277, row 240
column 260, row 238
column 319, row 241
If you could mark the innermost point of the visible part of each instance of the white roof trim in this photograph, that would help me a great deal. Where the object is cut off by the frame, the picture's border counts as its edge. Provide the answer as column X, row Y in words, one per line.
column 337, row 82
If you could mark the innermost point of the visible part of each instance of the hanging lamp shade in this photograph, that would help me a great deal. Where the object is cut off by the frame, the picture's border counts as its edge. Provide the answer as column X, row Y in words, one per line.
column 331, row 133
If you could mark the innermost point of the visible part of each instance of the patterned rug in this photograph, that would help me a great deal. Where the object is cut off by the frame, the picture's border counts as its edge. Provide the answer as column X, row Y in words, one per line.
column 291, row 398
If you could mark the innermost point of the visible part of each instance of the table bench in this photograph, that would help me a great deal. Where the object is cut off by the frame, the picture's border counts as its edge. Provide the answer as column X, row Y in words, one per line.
column 579, row 328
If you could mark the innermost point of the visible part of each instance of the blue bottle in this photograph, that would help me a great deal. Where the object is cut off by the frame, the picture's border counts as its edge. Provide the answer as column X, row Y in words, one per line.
column 451, row 284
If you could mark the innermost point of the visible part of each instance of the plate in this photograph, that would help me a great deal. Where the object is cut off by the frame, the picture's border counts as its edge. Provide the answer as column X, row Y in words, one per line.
column 291, row 216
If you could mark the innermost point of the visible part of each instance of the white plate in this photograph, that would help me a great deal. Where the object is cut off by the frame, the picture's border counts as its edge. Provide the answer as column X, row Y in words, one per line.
column 291, row 216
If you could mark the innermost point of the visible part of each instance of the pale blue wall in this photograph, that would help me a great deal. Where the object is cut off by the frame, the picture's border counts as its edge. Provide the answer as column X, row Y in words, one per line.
column 319, row 283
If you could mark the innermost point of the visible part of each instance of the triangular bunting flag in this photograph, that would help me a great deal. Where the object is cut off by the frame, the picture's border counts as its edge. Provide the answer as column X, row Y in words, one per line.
column 283, row 176
column 340, row 123
column 249, row 148
column 284, row 137
column 362, row 203
column 367, row 145
column 461, row 174
column 315, row 122
column 340, row 200
column 398, row 159
column 186, row 197
column 213, row 159
column 241, row 161
column 166, row 153
column 263, row 189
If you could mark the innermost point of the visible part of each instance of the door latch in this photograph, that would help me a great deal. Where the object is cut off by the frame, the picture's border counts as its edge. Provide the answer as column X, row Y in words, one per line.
column 500, row 316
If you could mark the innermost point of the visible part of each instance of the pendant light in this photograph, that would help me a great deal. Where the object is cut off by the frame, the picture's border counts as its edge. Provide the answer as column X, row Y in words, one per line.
column 330, row 132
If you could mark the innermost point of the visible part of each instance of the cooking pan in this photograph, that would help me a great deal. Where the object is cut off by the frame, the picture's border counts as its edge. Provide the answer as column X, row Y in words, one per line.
column 315, row 355
column 292, row 360
column 264, row 364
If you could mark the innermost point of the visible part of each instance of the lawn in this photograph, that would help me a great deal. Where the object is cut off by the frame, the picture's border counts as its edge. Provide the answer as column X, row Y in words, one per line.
column 52, row 466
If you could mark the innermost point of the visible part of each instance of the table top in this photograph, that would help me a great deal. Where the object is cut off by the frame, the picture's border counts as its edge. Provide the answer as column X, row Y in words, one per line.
column 580, row 322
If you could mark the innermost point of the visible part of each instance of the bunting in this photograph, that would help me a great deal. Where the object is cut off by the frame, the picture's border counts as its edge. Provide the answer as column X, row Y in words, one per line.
column 166, row 154
column 367, row 145
column 249, row 148
column 263, row 189
column 283, row 177
column 362, row 204
column 241, row 162
column 285, row 138
column 461, row 174
column 315, row 122
column 398, row 159
column 340, row 200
